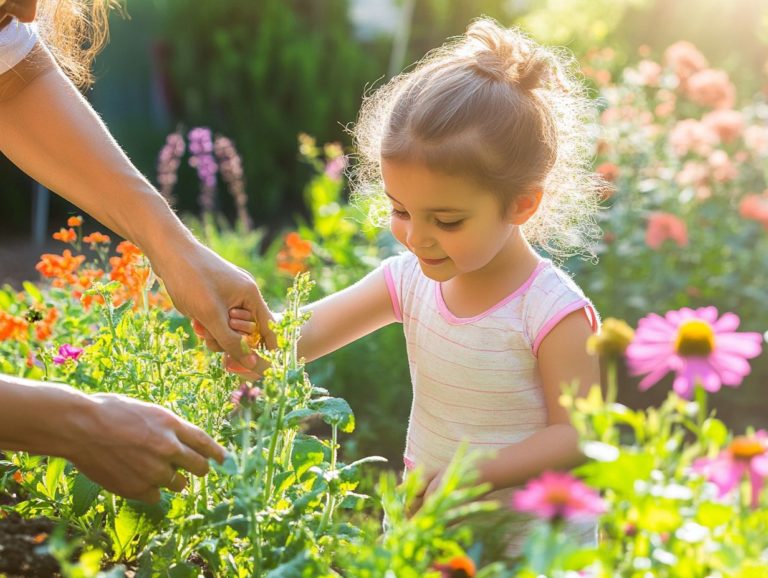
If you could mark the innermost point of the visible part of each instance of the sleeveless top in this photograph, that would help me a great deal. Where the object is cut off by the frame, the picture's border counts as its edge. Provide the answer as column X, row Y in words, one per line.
column 16, row 41
column 476, row 380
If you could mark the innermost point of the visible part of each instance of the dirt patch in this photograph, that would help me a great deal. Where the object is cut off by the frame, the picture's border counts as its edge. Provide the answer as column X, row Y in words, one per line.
column 20, row 548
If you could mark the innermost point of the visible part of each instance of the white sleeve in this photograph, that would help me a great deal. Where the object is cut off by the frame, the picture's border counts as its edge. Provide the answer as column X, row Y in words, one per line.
column 16, row 41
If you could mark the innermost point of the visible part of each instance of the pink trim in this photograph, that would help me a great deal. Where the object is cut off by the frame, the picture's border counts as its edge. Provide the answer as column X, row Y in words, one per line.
column 409, row 463
column 450, row 317
column 393, row 293
column 592, row 317
column 557, row 318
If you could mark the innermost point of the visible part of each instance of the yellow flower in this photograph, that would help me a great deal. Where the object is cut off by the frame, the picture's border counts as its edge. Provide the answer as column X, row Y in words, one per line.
column 613, row 339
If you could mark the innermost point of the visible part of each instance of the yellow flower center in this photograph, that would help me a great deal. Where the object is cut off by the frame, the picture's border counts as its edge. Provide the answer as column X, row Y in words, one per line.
column 695, row 338
column 746, row 448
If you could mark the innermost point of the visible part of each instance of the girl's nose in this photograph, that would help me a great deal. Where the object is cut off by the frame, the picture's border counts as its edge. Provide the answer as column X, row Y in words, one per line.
column 418, row 237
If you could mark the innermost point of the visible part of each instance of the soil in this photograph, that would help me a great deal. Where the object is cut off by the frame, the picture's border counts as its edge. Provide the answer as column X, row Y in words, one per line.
column 18, row 257
column 20, row 542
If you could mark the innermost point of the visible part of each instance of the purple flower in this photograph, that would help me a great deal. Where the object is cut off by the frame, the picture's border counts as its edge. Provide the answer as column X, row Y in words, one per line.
column 201, row 159
column 67, row 352
column 335, row 167
column 168, row 162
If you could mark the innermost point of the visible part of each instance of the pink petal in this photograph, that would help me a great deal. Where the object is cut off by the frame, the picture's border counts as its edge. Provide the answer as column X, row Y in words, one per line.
column 728, row 322
column 746, row 345
column 653, row 377
column 756, row 483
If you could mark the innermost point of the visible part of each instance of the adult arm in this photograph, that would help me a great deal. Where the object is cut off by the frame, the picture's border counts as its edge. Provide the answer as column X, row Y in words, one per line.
column 51, row 132
column 130, row 447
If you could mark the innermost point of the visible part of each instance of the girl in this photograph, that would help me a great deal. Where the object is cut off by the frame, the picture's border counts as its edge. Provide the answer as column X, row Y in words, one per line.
column 481, row 149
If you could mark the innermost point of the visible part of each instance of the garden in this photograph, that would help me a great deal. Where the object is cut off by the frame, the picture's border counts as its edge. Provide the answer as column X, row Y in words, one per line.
column 675, row 438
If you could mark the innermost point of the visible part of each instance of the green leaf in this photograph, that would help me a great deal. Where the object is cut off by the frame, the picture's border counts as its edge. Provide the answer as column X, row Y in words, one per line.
column 335, row 411
column 712, row 515
column 84, row 492
column 294, row 568
column 53, row 475
column 32, row 291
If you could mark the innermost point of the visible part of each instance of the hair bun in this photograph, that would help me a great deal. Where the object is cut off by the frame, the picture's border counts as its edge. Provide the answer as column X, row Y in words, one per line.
column 507, row 55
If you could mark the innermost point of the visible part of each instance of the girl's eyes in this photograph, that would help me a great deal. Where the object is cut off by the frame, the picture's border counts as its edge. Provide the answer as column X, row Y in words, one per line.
column 452, row 226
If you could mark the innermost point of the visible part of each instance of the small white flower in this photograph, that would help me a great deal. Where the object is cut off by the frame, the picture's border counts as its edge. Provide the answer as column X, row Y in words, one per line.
column 692, row 532
column 601, row 451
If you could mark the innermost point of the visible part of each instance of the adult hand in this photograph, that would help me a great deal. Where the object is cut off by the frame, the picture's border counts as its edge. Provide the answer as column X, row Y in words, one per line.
column 133, row 448
column 204, row 287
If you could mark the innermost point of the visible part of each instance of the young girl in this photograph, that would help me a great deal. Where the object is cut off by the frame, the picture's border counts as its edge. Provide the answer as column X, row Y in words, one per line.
column 481, row 149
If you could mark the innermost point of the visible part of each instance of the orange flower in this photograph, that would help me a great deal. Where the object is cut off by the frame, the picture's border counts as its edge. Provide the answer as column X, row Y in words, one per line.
column 60, row 266
column 65, row 235
column 299, row 248
column 13, row 327
column 96, row 238
column 663, row 227
column 457, row 567
column 75, row 221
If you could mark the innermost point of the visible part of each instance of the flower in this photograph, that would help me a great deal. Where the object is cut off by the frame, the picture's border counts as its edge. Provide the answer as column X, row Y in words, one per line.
column 246, row 394
column 292, row 258
column 456, row 567
column 74, row 221
column 755, row 208
column 711, row 88
column 67, row 352
column 685, row 59
column 614, row 338
column 663, row 227
column 727, row 123
column 700, row 347
column 65, row 235
column 690, row 135
column 96, row 238
column 558, row 495
column 745, row 455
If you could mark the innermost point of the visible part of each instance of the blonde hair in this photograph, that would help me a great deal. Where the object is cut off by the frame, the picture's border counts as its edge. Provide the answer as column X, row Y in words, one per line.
column 75, row 31
column 494, row 106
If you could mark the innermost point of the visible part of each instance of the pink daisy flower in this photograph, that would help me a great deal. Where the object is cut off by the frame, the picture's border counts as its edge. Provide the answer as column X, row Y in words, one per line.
column 699, row 347
column 745, row 455
column 558, row 495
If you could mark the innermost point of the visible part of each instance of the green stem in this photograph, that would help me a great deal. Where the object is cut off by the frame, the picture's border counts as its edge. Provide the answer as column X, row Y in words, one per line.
column 330, row 503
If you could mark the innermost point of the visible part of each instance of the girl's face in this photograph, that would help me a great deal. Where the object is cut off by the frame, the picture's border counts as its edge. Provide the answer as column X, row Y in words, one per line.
column 453, row 226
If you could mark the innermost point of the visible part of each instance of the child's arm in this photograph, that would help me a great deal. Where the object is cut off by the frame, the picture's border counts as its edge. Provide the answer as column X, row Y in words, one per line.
column 562, row 358
column 337, row 320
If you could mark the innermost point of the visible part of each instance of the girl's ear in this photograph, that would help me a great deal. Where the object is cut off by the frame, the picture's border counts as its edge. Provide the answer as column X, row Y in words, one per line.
column 523, row 206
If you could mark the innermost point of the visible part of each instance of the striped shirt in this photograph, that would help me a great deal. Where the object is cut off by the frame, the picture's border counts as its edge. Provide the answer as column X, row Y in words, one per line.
column 476, row 379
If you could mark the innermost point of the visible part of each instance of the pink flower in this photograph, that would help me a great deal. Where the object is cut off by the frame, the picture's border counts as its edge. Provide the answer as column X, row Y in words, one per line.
column 690, row 135
column 745, row 455
column 663, row 227
column 699, row 347
column 723, row 169
column 246, row 394
column 67, row 352
column 727, row 123
column 558, row 495
column 711, row 88
column 756, row 139
column 755, row 208
column 685, row 59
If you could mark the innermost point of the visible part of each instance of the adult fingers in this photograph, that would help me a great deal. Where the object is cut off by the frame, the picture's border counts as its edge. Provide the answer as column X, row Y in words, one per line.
column 243, row 327
column 176, row 482
column 203, row 446
column 238, row 313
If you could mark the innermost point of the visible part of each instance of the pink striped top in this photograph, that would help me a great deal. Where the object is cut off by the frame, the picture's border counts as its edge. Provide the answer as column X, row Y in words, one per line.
column 476, row 379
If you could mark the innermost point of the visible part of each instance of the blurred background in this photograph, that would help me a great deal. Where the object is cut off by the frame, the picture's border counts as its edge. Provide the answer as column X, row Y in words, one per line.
column 263, row 73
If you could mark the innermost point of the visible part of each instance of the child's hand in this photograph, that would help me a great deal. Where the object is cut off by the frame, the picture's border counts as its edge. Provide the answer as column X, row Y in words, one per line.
column 243, row 322
column 431, row 483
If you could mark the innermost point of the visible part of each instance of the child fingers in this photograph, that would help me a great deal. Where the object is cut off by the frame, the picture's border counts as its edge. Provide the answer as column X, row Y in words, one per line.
column 198, row 328
column 242, row 314
column 244, row 327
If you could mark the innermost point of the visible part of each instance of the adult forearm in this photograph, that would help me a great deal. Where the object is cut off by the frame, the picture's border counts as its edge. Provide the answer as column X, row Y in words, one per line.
column 51, row 132
column 556, row 447
column 40, row 418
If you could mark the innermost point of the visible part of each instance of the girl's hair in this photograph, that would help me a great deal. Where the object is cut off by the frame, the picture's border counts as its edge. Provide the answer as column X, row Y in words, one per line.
column 75, row 31
column 494, row 106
